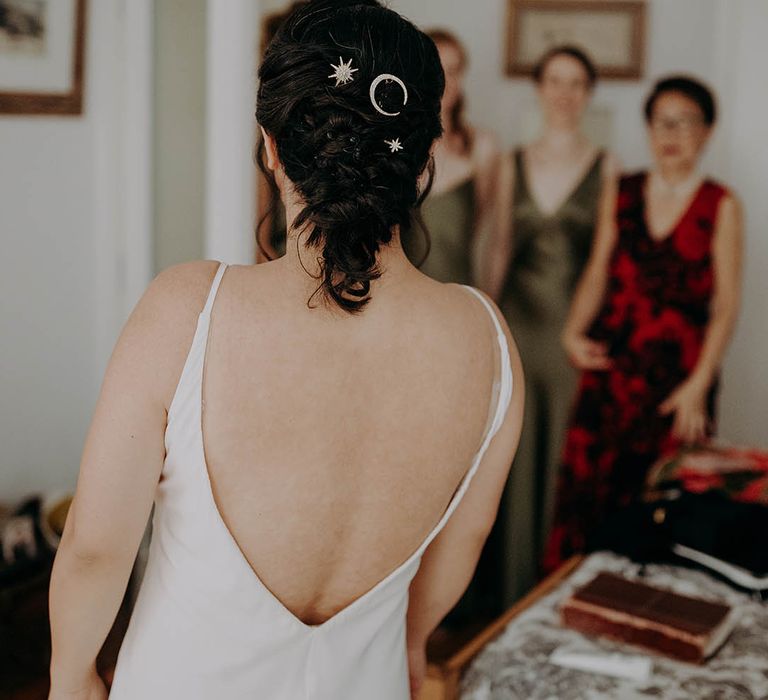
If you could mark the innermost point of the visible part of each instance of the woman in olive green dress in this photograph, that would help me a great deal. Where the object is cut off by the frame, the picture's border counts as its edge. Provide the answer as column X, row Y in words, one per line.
column 460, row 201
column 547, row 208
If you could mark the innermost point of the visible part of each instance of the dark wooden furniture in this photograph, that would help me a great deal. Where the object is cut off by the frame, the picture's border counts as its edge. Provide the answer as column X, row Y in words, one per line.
column 25, row 640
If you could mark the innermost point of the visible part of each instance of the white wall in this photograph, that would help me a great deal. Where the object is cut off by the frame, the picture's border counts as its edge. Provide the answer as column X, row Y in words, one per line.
column 743, row 54
column 48, row 304
column 232, row 40
column 69, row 271
column 179, row 131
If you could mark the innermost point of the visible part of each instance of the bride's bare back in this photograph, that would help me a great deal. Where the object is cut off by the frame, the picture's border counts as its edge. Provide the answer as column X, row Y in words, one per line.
column 334, row 444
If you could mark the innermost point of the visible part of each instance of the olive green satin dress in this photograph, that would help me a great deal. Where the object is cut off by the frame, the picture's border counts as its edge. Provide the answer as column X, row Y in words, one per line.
column 548, row 254
column 449, row 217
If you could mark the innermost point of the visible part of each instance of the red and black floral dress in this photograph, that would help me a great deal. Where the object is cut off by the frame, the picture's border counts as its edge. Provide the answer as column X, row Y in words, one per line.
column 653, row 322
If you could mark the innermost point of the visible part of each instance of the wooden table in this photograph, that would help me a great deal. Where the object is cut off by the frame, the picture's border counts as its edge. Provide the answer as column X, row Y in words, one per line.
column 442, row 682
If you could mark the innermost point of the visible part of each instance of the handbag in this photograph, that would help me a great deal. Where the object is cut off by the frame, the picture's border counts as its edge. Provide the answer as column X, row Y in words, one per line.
column 706, row 530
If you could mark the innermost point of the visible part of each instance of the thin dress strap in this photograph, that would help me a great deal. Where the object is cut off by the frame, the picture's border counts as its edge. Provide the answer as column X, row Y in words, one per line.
column 502, row 389
column 505, row 390
column 214, row 288
column 189, row 381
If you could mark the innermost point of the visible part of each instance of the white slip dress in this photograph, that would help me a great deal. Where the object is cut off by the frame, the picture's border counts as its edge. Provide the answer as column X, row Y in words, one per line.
column 205, row 627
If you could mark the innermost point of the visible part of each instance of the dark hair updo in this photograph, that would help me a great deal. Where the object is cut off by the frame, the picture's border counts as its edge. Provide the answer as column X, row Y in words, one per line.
column 331, row 139
column 688, row 86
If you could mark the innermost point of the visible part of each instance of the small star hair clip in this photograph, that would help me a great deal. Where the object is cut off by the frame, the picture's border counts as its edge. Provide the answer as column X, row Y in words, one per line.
column 343, row 72
column 394, row 145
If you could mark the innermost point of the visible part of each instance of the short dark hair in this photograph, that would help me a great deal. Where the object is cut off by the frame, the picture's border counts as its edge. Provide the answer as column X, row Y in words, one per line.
column 690, row 87
column 566, row 50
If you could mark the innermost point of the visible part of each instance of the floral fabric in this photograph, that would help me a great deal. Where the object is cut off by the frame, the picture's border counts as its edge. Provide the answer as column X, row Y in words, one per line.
column 741, row 473
column 653, row 321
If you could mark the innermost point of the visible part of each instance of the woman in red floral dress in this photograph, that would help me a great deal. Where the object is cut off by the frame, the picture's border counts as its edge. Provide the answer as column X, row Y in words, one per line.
column 650, row 320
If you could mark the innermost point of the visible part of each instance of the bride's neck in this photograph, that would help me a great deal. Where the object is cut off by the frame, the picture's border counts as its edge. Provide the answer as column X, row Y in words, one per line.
column 301, row 262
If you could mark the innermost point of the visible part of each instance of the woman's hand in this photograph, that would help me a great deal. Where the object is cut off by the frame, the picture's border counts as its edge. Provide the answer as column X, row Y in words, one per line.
column 417, row 667
column 92, row 687
column 688, row 403
column 584, row 353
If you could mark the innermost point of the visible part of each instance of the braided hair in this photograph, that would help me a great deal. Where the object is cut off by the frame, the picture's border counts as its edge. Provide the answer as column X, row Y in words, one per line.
column 335, row 146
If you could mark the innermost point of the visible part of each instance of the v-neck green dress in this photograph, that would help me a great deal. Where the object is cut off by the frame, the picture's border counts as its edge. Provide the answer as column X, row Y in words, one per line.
column 548, row 254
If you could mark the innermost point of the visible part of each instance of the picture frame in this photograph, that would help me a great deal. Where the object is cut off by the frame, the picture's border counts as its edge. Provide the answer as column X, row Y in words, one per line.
column 42, row 47
column 611, row 32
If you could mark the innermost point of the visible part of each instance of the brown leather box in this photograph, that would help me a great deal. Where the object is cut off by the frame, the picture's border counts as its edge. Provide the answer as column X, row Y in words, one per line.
column 682, row 627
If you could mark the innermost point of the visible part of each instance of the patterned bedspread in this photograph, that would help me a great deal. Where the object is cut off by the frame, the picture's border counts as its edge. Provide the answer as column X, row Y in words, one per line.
column 515, row 664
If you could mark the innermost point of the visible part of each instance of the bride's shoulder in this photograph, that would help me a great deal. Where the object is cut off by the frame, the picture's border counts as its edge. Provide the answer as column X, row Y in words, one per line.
column 474, row 310
column 184, row 285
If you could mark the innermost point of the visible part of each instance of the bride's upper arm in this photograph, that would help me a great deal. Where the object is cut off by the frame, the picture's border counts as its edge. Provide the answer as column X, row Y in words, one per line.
column 477, row 510
column 124, row 448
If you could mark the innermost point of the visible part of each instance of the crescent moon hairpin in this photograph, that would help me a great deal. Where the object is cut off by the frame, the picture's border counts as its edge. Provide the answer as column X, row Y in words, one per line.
column 375, row 84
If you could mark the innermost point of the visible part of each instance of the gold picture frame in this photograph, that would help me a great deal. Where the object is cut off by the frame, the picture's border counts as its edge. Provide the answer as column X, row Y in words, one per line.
column 611, row 32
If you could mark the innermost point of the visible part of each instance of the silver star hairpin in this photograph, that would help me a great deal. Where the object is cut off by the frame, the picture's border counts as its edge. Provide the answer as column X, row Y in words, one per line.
column 394, row 145
column 343, row 72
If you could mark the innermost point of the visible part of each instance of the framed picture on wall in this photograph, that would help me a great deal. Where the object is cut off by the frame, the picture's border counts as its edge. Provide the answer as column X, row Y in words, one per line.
column 41, row 56
column 611, row 32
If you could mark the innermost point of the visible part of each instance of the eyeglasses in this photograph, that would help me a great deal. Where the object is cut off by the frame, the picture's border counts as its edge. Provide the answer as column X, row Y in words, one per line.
column 685, row 125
